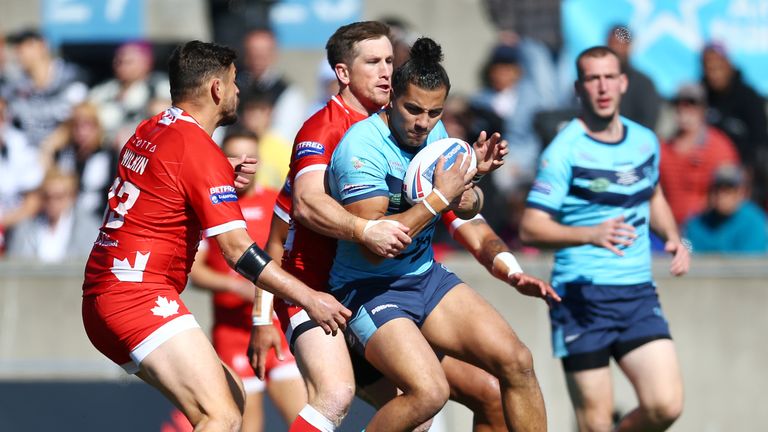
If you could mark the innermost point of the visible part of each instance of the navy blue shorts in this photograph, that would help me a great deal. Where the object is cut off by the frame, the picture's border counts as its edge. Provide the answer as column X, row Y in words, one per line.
column 374, row 302
column 596, row 322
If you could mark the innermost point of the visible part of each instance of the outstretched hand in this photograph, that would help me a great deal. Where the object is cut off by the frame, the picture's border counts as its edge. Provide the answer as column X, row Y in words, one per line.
column 327, row 312
column 681, row 257
column 613, row 233
column 263, row 338
column 490, row 152
column 533, row 287
column 244, row 167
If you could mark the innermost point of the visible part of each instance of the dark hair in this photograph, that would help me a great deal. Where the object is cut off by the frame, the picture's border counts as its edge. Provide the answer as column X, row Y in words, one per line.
column 423, row 69
column 595, row 52
column 194, row 63
column 238, row 132
column 341, row 45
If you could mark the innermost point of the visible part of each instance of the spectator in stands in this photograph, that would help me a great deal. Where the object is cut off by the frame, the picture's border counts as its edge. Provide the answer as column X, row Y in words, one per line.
column 20, row 176
column 49, row 87
column 402, row 36
column 533, row 26
column 327, row 87
column 60, row 231
column 641, row 102
column 509, row 93
column 274, row 150
column 731, row 224
column 739, row 111
column 691, row 156
column 260, row 74
column 125, row 100
column 77, row 147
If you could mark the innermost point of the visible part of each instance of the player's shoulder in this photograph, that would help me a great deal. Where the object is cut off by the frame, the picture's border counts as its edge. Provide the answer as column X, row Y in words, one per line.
column 571, row 133
column 364, row 134
column 636, row 130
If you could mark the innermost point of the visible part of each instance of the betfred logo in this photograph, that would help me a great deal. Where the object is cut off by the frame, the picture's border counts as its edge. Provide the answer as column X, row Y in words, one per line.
column 219, row 194
column 309, row 148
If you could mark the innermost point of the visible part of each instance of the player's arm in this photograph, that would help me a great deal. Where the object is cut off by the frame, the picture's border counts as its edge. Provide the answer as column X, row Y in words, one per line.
column 491, row 252
column 663, row 224
column 205, row 277
column 318, row 211
column 539, row 228
column 251, row 261
column 449, row 185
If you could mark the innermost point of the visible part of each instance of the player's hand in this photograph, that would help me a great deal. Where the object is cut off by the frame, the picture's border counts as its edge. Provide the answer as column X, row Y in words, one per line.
column 385, row 237
column 681, row 257
column 327, row 312
column 263, row 338
column 455, row 180
column 468, row 204
column 613, row 233
column 245, row 168
column 533, row 287
column 490, row 152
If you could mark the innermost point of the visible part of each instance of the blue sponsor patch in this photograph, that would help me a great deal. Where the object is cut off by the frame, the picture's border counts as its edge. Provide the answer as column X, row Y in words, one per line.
column 219, row 194
column 309, row 148
column 349, row 189
column 450, row 154
column 541, row 187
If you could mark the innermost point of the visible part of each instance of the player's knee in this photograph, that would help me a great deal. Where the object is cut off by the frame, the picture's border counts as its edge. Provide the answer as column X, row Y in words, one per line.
column 430, row 397
column 489, row 396
column 516, row 364
column 225, row 419
column 597, row 421
column 334, row 400
column 664, row 413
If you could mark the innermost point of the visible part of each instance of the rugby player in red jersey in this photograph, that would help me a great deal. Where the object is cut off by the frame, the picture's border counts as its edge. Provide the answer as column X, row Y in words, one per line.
column 174, row 184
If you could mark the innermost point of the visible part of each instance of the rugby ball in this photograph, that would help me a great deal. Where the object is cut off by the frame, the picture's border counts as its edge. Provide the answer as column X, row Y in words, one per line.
column 417, row 183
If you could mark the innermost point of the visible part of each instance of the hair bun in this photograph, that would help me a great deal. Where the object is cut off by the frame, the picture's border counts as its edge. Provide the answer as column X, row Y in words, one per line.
column 425, row 50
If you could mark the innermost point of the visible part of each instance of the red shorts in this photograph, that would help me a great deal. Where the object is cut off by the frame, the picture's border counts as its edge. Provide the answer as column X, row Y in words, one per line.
column 231, row 343
column 294, row 320
column 131, row 320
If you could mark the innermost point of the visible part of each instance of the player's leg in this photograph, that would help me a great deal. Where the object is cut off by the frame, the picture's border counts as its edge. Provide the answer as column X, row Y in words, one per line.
column 187, row 370
column 654, row 372
column 465, row 326
column 477, row 390
column 324, row 363
column 287, row 390
column 398, row 349
column 591, row 393
column 253, row 413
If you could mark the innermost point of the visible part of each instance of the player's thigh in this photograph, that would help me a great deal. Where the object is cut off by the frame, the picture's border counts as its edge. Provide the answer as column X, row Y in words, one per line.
column 466, row 326
column 400, row 352
column 187, row 368
column 591, row 392
column 654, row 371
column 323, row 361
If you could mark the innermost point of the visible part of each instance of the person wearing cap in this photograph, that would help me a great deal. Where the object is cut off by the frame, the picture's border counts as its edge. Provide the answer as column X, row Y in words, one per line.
column 49, row 87
column 732, row 224
column 691, row 155
column 737, row 109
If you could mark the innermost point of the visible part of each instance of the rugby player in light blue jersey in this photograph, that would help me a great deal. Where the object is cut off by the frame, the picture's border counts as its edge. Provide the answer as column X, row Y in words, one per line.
column 405, row 306
column 596, row 197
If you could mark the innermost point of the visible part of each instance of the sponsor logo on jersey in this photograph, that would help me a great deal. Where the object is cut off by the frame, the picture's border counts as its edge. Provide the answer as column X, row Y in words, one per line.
column 541, row 187
column 309, row 148
column 628, row 177
column 134, row 162
column 396, row 166
column 105, row 240
column 355, row 188
column 357, row 163
column 221, row 194
column 380, row 308
column 253, row 213
column 599, row 184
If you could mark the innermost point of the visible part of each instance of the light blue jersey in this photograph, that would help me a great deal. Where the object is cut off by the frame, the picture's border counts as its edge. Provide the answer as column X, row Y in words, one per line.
column 369, row 163
column 582, row 181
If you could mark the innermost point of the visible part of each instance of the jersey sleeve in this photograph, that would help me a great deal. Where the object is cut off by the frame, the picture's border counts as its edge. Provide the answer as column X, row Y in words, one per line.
column 207, row 180
column 284, row 202
column 312, row 150
column 358, row 169
column 552, row 181
column 453, row 222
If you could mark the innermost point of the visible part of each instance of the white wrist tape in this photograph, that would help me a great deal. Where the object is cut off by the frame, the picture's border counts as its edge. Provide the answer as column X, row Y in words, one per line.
column 263, row 309
column 429, row 207
column 441, row 196
column 510, row 261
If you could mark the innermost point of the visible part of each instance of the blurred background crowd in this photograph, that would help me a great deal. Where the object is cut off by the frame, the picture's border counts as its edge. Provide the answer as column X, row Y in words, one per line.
column 65, row 115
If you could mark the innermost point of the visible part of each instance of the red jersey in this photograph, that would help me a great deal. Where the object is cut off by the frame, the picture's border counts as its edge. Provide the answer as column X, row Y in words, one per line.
column 308, row 254
column 230, row 308
column 173, row 183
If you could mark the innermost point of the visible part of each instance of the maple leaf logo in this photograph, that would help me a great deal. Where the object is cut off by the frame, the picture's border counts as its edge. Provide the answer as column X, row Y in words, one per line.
column 165, row 308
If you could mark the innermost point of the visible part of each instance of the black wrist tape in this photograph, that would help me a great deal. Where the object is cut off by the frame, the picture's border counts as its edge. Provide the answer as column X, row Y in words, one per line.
column 252, row 263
